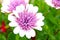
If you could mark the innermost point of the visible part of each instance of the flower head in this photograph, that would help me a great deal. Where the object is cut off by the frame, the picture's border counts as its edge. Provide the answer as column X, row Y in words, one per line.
column 25, row 19
column 53, row 3
column 10, row 5
column 3, row 28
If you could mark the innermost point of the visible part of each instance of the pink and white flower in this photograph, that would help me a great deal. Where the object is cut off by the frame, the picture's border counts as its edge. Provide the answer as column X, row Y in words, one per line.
column 25, row 19
column 10, row 5
column 53, row 3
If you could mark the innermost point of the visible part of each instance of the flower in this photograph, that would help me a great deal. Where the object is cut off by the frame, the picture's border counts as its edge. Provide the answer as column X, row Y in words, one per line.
column 3, row 28
column 25, row 19
column 10, row 5
column 53, row 3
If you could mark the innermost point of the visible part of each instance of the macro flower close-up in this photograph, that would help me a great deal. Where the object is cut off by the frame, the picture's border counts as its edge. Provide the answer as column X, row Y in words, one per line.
column 53, row 3
column 29, row 19
column 25, row 19
column 10, row 5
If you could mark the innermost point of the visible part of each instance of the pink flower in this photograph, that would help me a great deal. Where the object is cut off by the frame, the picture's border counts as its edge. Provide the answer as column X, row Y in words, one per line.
column 25, row 19
column 10, row 5
column 53, row 3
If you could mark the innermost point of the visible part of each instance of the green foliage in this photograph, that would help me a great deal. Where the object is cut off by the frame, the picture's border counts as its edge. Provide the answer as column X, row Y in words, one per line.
column 52, row 22
column 20, row 38
column 2, row 37
column 11, row 36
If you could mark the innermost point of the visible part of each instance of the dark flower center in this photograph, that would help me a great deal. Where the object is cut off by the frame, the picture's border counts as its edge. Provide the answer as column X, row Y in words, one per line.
column 27, row 20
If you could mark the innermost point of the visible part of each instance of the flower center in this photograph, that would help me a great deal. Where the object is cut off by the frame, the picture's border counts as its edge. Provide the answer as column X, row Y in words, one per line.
column 26, row 20
column 56, row 3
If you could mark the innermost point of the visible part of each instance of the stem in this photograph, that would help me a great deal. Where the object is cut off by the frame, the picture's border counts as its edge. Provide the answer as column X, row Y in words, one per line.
column 33, row 38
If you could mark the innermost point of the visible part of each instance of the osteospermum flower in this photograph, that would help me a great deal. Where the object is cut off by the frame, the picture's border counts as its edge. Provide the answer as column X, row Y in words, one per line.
column 53, row 3
column 25, row 19
column 10, row 5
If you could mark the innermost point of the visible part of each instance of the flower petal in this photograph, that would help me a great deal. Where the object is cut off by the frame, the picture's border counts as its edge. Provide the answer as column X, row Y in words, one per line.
column 26, row 1
column 6, row 2
column 40, row 16
column 20, row 8
column 30, row 33
column 15, row 13
column 57, row 7
column 35, row 9
column 11, row 17
column 40, row 23
column 4, row 9
column 38, row 28
column 22, row 33
column 49, row 3
column 16, row 30
column 31, row 8
column 13, row 24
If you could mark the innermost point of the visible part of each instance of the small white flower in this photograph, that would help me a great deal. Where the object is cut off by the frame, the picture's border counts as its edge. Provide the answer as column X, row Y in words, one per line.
column 53, row 3
column 25, row 19
column 10, row 5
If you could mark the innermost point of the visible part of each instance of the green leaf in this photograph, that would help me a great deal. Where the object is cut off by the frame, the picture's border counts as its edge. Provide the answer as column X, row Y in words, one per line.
column 58, row 36
column 2, row 37
column 20, row 38
column 11, row 36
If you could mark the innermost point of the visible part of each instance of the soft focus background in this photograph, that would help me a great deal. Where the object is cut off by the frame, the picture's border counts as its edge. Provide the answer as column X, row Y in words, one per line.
column 51, row 29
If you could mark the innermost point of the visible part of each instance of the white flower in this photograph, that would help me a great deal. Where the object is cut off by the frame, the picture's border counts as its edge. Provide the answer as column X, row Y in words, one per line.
column 53, row 3
column 25, row 19
column 10, row 5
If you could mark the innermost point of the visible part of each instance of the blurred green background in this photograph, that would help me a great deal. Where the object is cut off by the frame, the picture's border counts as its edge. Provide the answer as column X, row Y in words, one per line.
column 51, row 28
